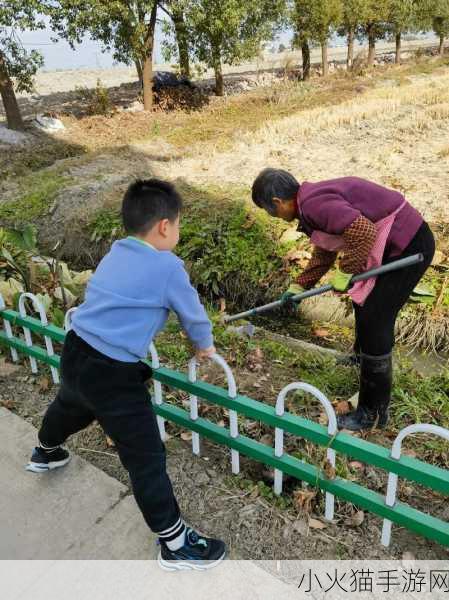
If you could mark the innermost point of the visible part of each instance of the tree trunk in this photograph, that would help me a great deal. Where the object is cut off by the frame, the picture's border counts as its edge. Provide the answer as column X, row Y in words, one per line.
column 139, row 70
column 147, row 70
column 397, row 59
column 182, row 42
column 305, row 50
column 219, row 84
column 441, row 45
column 350, row 58
column 13, row 116
column 372, row 45
column 324, row 59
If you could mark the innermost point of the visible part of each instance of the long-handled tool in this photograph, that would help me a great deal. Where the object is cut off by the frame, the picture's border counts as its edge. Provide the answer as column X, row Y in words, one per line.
column 393, row 266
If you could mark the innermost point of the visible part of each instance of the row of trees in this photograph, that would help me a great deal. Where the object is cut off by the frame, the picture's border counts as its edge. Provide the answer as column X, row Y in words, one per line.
column 316, row 20
column 212, row 32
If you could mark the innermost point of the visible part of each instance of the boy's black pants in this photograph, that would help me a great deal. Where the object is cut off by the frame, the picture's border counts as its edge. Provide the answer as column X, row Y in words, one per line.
column 375, row 320
column 94, row 386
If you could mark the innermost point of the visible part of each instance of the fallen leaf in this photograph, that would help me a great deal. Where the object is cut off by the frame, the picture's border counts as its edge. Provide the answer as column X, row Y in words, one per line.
column 44, row 384
column 356, row 465
column 222, row 305
column 9, row 404
column 408, row 555
column 315, row 524
column 7, row 368
column 320, row 332
column 303, row 500
column 342, row 407
column 329, row 470
column 357, row 519
column 186, row 436
column 109, row 442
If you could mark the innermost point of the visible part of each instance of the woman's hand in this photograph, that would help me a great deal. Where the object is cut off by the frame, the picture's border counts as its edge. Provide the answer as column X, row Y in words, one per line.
column 341, row 281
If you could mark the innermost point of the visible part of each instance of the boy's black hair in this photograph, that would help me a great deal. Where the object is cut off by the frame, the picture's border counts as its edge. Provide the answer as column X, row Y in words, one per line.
column 148, row 201
column 271, row 183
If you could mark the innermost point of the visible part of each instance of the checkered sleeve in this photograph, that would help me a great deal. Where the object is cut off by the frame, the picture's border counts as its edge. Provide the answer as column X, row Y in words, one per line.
column 319, row 264
column 358, row 238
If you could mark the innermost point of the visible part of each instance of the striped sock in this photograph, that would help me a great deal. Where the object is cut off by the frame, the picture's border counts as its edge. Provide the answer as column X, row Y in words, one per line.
column 174, row 536
column 47, row 448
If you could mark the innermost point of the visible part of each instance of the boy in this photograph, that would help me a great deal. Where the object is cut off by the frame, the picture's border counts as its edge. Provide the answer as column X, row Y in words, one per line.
column 370, row 225
column 127, row 302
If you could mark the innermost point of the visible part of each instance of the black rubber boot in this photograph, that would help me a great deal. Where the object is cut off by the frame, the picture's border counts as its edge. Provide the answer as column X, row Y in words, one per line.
column 374, row 394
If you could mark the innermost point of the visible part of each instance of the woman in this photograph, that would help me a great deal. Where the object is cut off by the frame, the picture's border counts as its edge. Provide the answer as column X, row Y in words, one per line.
column 370, row 225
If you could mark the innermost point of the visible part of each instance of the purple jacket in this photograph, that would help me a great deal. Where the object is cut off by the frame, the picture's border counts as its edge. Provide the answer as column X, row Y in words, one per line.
column 331, row 206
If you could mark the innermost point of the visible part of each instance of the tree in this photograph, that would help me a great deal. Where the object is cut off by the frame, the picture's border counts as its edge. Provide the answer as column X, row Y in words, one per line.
column 353, row 17
column 229, row 31
column 314, row 21
column 401, row 16
column 124, row 27
column 326, row 16
column 301, row 18
column 440, row 21
column 175, row 10
column 374, row 26
column 433, row 14
column 15, row 62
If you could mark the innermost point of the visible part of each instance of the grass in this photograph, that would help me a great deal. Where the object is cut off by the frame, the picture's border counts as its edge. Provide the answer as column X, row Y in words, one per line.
column 36, row 194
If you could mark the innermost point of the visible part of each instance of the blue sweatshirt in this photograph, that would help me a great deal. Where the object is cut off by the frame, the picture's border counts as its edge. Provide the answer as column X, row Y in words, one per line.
column 129, row 297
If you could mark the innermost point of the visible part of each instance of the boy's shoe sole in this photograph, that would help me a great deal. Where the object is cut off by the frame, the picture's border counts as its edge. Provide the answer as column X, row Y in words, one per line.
column 42, row 467
column 187, row 565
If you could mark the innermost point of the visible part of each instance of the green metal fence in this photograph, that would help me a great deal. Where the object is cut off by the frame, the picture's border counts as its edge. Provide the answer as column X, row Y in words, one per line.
column 387, row 507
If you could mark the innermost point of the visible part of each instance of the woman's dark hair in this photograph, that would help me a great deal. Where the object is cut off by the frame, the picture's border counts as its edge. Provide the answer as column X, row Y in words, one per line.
column 273, row 183
column 148, row 201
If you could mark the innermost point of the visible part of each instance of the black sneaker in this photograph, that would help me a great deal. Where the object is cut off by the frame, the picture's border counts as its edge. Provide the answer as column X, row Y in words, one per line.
column 199, row 553
column 46, row 460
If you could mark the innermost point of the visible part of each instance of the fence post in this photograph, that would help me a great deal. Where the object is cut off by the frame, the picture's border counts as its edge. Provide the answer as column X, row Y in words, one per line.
column 8, row 330
column 390, row 498
column 157, row 390
column 232, row 393
column 279, row 436
column 68, row 318
column 38, row 307
column 193, row 402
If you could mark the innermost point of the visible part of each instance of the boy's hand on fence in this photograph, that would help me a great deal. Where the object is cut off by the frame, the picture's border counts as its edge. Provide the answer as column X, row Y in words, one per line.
column 205, row 353
column 341, row 281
